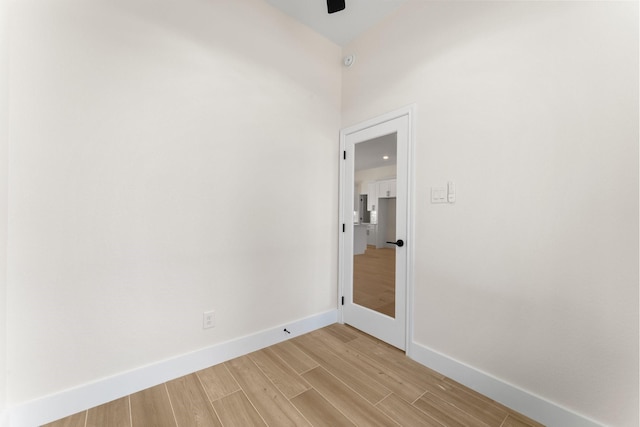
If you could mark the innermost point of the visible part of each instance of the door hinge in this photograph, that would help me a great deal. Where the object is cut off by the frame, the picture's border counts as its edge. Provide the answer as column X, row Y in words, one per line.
column 344, row 228
column 342, row 300
column 344, row 155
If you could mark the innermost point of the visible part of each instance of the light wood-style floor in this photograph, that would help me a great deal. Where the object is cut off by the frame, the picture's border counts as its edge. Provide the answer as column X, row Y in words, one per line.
column 335, row 376
column 374, row 280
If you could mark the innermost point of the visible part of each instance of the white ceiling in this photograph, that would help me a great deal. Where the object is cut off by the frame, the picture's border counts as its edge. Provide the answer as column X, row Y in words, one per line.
column 340, row 27
column 369, row 154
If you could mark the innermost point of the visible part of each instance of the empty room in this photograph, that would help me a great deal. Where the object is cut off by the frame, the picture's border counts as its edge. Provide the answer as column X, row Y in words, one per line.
column 287, row 212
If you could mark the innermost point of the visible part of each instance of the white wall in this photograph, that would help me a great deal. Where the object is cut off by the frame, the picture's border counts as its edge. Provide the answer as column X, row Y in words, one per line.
column 4, row 105
column 532, row 109
column 166, row 158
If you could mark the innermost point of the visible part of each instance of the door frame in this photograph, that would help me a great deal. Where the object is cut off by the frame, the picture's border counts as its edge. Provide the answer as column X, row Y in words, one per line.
column 409, row 112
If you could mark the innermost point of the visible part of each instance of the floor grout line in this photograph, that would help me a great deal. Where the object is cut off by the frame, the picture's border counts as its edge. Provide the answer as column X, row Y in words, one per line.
column 332, row 405
column 379, row 401
column 318, row 391
column 349, row 387
column 344, row 360
column 244, row 392
column 208, row 397
column 429, row 415
column 175, row 419
column 276, row 386
column 302, row 392
column 130, row 411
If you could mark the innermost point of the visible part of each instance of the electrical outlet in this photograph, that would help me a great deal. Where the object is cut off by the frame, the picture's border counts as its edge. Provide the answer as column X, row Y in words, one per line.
column 208, row 319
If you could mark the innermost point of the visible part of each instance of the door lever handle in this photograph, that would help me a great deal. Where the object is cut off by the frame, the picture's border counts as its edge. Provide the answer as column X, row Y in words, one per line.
column 399, row 243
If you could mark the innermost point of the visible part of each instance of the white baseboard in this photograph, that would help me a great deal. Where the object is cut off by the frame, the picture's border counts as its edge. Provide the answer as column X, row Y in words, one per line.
column 68, row 402
column 526, row 403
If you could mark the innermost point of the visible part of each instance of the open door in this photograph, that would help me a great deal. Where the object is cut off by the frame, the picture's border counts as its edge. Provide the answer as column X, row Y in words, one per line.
column 375, row 213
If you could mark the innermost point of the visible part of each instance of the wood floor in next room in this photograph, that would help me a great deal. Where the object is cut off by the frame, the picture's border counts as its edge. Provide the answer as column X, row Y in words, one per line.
column 335, row 376
column 374, row 280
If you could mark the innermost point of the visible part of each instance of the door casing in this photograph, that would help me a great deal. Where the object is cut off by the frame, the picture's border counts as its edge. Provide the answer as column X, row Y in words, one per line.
column 344, row 220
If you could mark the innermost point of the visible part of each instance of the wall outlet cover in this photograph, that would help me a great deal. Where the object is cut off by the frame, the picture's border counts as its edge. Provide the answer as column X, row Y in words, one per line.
column 208, row 319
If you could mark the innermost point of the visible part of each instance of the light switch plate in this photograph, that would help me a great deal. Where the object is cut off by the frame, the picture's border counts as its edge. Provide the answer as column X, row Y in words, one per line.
column 438, row 195
column 451, row 192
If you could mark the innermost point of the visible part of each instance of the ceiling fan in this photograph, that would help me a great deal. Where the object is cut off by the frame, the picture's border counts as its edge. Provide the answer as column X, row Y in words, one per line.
column 334, row 6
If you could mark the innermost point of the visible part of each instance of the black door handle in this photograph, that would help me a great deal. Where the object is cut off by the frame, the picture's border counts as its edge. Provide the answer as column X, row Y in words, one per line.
column 399, row 243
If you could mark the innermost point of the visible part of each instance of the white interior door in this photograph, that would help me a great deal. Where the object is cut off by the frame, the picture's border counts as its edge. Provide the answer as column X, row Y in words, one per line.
column 374, row 278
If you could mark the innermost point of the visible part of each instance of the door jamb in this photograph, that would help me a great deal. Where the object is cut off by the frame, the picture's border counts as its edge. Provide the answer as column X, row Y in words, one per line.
column 410, row 112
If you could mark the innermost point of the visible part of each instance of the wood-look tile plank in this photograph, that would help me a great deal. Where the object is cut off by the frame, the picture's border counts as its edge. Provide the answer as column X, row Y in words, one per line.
column 373, row 369
column 445, row 412
column 342, row 332
column 282, row 375
column 469, row 401
column 296, row 358
column 218, row 382
column 515, row 419
column 480, row 400
column 318, row 411
column 351, row 374
column 235, row 410
column 350, row 403
column 75, row 420
column 190, row 403
column 405, row 414
column 395, row 361
column 151, row 407
column 112, row 414
column 272, row 405
column 479, row 396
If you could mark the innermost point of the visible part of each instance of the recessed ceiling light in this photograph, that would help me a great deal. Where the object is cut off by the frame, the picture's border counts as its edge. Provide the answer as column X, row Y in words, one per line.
column 385, row 157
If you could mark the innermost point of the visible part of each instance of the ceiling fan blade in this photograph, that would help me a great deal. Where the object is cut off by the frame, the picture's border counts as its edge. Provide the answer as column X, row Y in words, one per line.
column 335, row 5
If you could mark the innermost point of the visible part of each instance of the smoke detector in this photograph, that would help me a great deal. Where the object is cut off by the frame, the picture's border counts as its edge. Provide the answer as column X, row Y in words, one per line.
column 349, row 60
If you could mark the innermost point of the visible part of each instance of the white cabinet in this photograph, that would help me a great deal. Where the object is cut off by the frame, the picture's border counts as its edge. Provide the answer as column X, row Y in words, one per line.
column 387, row 188
column 372, row 196
column 359, row 239
column 371, row 234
